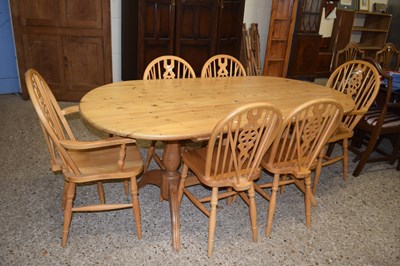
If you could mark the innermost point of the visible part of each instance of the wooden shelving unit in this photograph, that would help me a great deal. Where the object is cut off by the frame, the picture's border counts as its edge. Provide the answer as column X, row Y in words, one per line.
column 369, row 30
column 373, row 32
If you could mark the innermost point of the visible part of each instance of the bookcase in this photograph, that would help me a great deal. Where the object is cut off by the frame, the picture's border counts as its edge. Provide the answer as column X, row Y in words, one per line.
column 369, row 30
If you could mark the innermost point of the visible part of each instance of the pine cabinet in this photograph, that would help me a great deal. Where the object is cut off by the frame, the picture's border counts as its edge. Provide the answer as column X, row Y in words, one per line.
column 192, row 29
column 67, row 41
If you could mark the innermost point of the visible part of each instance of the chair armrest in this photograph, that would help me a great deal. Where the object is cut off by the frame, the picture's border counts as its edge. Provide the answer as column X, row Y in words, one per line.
column 85, row 145
column 70, row 110
column 361, row 111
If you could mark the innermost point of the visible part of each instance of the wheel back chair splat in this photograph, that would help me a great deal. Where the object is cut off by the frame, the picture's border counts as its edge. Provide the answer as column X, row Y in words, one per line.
column 222, row 65
column 84, row 162
column 231, row 159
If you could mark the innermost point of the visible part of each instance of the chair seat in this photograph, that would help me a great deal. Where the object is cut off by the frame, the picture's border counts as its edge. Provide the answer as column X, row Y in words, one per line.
column 292, row 166
column 96, row 161
column 342, row 132
column 390, row 120
column 195, row 159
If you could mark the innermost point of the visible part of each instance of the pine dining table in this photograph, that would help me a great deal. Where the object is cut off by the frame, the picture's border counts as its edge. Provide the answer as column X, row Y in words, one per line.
column 178, row 110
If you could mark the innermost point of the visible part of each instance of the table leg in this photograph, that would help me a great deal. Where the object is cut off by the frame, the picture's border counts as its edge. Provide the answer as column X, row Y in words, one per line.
column 168, row 181
column 169, row 189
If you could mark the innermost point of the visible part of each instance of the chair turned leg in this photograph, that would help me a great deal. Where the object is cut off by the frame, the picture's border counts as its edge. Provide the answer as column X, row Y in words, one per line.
column 253, row 214
column 329, row 151
column 345, row 157
column 272, row 204
column 126, row 188
column 136, row 207
column 308, row 200
column 213, row 220
column 318, row 171
column 68, row 212
column 100, row 190
column 64, row 200
column 365, row 155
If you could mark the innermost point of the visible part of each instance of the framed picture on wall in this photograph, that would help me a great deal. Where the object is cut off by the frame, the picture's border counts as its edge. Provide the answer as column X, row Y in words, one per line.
column 363, row 5
column 347, row 4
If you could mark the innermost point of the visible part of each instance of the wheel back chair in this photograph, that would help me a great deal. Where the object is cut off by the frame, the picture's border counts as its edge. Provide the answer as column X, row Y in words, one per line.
column 294, row 153
column 83, row 162
column 359, row 80
column 231, row 160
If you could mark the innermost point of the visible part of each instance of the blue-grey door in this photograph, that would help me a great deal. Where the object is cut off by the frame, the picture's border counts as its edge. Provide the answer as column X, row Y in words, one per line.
column 9, row 82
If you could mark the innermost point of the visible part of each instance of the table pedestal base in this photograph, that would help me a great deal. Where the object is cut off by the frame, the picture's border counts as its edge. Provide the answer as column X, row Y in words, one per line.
column 168, row 181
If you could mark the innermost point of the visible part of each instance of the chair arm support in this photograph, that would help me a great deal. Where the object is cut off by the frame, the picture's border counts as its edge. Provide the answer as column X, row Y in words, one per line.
column 70, row 110
column 85, row 145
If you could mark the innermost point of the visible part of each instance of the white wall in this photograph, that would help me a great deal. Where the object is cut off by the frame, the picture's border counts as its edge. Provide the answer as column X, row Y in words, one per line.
column 116, row 38
column 259, row 11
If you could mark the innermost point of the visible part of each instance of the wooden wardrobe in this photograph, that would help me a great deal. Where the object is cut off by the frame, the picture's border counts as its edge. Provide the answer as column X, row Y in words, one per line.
column 67, row 41
column 192, row 29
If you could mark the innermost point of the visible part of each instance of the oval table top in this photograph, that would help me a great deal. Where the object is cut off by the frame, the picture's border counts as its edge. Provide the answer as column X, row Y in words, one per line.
column 190, row 108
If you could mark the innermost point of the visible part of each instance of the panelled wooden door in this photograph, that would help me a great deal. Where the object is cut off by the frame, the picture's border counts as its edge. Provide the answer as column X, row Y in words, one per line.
column 196, row 31
column 67, row 41
column 230, row 27
column 156, row 30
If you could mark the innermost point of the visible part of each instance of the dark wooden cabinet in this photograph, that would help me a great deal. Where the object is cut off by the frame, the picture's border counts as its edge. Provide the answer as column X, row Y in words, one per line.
column 192, row 29
column 306, row 40
column 68, row 42
column 393, row 35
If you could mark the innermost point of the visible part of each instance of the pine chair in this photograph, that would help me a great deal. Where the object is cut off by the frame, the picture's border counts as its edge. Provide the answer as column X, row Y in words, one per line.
column 165, row 67
column 83, row 162
column 387, row 56
column 222, row 65
column 381, row 121
column 231, row 160
column 294, row 153
column 359, row 80
column 350, row 52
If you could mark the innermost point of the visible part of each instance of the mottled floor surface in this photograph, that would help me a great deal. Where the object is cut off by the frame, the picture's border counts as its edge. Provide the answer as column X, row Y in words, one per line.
column 357, row 222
